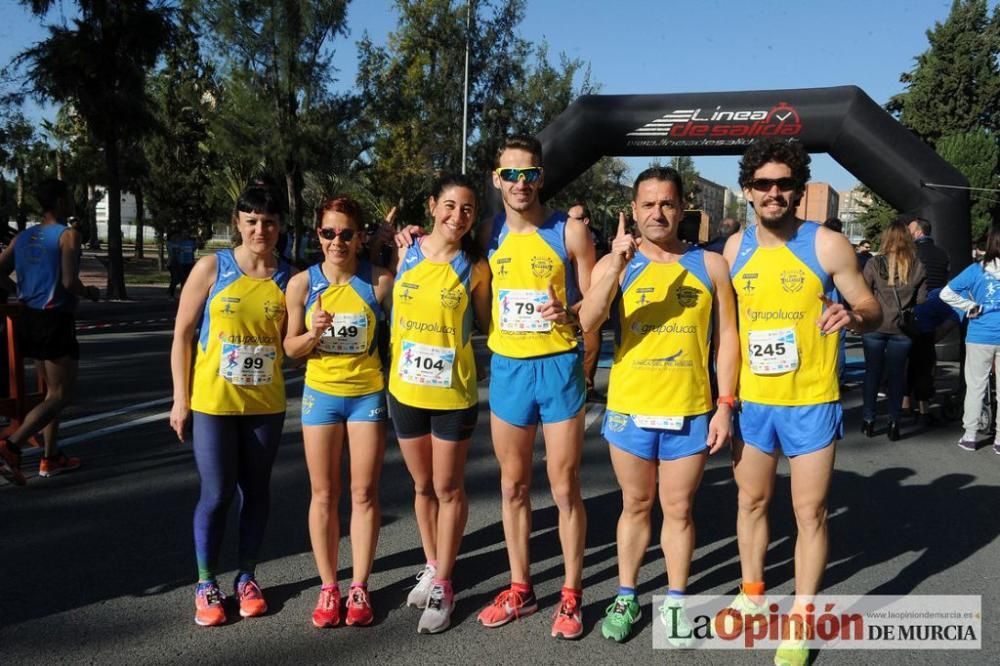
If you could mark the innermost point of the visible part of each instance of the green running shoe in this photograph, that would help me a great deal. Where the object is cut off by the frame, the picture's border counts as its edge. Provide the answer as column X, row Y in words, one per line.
column 619, row 618
column 744, row 605
column 792, row 653
column 673, row 615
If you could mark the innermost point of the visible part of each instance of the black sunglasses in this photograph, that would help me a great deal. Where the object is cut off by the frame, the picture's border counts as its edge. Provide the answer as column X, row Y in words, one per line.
column 345, row 234
column 765, row 184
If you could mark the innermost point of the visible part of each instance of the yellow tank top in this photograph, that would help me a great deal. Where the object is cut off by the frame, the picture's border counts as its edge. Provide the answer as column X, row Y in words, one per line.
column 663, row 321
column 433, row 366
column 785, row 359
column 523, row 267
column 345, row 362
column 237, row 368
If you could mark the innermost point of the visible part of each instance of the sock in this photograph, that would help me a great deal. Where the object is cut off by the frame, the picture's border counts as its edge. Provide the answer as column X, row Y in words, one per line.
column 202, row 584
column 626, row 591
column 569, row 591
column 329, row 586
column 363, row 586
column 243, row 577
column 675, row 594
column 522, row 588
column 433, row 564
column 445, row 584
column 754, row 590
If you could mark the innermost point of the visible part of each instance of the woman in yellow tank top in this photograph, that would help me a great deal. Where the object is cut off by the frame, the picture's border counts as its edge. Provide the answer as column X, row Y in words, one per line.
column 236, row 397
column 334, row 312
column 442, row 280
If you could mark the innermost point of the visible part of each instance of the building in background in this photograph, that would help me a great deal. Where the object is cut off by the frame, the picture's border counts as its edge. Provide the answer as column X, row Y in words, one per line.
column 852, row 206
column 711, row 199
column 735, row 206
column 819, row 203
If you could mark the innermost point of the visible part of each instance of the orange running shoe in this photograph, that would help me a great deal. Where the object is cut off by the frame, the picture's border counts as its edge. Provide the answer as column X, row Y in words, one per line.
column 359, row 607
column 568, row 622
column 508, row 605
column 327, row 613
column 251, row 598
column 57, row 464
column 208, row 600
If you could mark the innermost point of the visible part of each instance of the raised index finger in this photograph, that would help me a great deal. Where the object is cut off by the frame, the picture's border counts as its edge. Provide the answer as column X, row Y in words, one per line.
column 621, row 224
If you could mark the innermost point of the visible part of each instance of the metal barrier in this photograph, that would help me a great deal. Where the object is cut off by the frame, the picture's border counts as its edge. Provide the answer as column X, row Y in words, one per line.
column 18, row 401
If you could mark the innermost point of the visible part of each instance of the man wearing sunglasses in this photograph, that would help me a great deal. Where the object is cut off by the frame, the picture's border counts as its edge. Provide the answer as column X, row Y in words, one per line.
column 785, row 273
column 541, row 264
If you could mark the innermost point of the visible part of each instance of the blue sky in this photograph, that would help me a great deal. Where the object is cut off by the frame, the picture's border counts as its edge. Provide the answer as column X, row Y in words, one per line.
column 639, row 46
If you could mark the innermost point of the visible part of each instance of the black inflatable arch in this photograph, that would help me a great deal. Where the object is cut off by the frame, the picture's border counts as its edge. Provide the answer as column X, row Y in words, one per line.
column 841, row 121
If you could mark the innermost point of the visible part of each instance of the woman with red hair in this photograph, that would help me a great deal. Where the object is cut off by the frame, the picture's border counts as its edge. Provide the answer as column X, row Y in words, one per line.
column 334, row 311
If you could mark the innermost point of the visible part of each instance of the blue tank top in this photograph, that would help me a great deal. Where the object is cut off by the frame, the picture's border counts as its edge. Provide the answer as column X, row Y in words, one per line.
column 38, row 262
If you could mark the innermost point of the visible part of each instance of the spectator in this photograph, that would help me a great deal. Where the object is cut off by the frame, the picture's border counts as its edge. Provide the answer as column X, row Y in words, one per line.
column 898, row 281
column 923, row 356
column 47, row 260
column 727, row 227
column 934, row 258
column 833, row 224
column 591, row 341
column 976, row 292
column 864, row 249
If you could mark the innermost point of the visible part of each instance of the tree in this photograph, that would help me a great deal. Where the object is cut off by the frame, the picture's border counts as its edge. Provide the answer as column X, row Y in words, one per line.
column 977, row 156
column 182, row 183
column 414, row 86
column 99, row 65
column 684, row 165
column 955, row 85
column 19, row 135
column 278, row 57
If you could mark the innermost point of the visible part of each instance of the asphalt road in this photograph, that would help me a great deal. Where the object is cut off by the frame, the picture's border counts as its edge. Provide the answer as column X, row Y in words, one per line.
column 98, row 567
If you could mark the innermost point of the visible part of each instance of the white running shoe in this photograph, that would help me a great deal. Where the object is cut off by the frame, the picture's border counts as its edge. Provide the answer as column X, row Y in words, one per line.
column 437, row 615
column 417, row 598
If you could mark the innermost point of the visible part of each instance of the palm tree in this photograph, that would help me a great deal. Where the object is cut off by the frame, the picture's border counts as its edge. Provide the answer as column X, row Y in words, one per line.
column 99, row 65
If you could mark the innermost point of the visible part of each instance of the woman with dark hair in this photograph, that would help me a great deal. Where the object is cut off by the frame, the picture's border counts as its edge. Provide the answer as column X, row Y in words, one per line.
column 976, row 292
column 234, row 395
column 442, row 281
column 898, row 280
column 334, row 312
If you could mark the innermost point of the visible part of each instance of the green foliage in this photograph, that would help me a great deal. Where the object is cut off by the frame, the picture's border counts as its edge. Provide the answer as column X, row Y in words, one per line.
column 181, row 163
column 99, row 65
column 274, row 103
column 977, row 156
column 414, row 88
column 689, row 176
column 876, row 215
column 955, row 85
column 604, row 188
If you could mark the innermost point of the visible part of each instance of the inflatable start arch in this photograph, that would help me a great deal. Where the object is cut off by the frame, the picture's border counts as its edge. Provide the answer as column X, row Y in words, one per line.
column 841, row 121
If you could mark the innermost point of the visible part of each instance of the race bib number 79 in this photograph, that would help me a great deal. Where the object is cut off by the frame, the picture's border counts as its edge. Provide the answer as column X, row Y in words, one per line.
column 519, row 310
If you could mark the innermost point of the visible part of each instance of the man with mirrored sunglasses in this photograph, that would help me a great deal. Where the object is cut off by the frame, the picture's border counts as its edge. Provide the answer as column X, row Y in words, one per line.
column 541, row 264
column 786, row 273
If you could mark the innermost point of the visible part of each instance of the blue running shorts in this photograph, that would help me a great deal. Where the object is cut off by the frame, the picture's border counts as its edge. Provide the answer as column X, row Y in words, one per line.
column 524, row 391
column 319, row 408
column 795, row 429
column 655, row 444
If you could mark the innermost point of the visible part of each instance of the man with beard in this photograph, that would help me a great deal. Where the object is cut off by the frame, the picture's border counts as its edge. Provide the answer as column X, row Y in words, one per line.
column 785, row 272
column 541, row 264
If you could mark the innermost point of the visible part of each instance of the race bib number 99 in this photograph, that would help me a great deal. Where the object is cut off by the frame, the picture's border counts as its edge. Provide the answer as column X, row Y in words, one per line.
column 773, row 352
column 247, row 365
column 519, row 311
column 426, row 365
column 347, row 335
